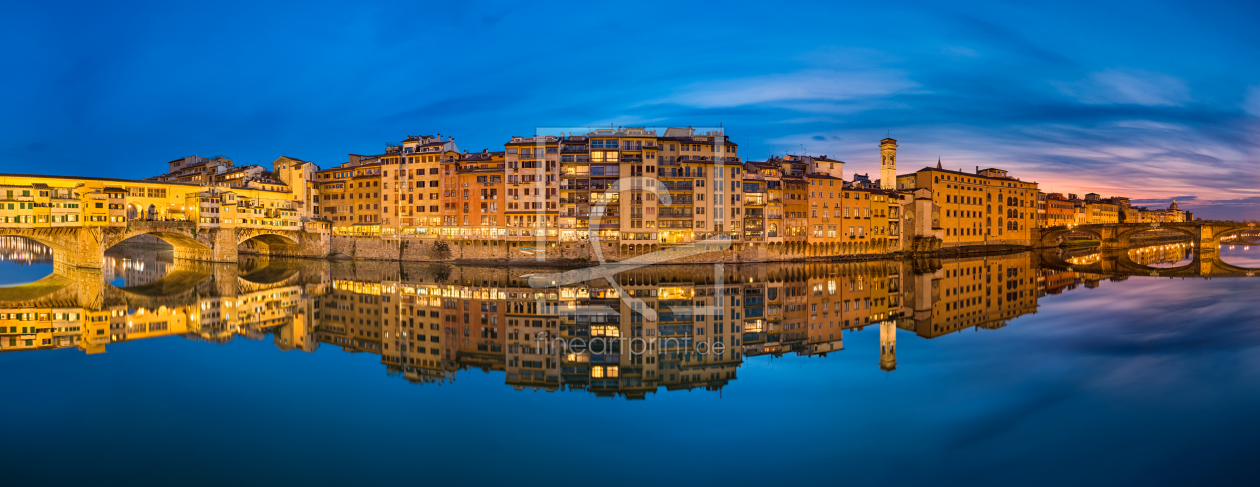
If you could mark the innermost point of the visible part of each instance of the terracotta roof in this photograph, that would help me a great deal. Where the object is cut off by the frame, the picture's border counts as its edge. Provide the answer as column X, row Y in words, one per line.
column 480, row 156
column 694, row 140
column 89, row 178
column 971, row 175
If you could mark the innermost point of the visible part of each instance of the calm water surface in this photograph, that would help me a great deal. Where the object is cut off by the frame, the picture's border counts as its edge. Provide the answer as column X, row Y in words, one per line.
column 988, row 371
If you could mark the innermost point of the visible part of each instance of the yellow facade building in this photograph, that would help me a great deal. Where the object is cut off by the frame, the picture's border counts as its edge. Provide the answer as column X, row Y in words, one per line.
column 985, row 208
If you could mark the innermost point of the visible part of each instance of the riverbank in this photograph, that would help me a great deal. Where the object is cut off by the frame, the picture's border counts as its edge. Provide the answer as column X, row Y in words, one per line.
column 499, row 253
column 586, row 254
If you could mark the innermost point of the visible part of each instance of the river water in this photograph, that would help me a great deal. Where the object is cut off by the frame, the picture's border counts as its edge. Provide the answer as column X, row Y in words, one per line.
column 997, row 370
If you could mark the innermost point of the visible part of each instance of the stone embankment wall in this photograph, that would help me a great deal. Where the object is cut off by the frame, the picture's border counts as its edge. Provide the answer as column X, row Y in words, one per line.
column 525, row 253
column 991, row 242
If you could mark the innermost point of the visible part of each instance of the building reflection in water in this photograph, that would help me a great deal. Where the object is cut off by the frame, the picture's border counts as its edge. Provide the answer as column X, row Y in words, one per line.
column 129, row 266
column 22, row 251
column 429, row 321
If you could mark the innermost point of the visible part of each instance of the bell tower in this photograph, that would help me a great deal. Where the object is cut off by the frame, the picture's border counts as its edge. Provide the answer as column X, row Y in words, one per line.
column 887, row 346
column 888, row 164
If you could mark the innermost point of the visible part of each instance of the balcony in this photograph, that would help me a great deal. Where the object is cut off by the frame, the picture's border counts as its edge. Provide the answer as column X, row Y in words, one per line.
column 675, row 213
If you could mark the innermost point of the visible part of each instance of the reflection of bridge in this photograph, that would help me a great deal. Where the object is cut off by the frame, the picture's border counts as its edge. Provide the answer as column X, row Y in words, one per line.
column 1206, row 235
column 1118, row 262
column 84, row 246
column 188, row 280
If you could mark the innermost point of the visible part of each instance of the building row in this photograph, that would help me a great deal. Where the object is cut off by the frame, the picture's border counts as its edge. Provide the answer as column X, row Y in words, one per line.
column 632, row 185
column 1071, row 210
column 627, row 185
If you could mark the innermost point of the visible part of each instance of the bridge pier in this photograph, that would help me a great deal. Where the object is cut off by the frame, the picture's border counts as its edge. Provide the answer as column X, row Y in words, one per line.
column 1208, row 247
column 86, row 283
column 1111, row 240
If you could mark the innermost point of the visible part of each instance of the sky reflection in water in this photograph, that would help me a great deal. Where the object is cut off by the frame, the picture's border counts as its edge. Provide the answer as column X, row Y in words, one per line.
column 1137, row 381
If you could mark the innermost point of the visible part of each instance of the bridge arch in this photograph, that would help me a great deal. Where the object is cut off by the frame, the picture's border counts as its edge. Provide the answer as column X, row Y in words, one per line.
column 1050, row 236
column 1123, row 237
column 183, row 236
column 268, row 243
column 58, row 246
column 1248, row 234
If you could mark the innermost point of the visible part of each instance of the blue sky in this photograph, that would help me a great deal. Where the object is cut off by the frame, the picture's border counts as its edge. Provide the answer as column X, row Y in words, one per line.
column 1148, row 100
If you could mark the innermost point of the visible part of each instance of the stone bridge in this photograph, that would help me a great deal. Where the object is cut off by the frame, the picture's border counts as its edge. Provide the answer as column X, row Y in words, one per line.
column 85, row 246
column 186, row 283
column 1206, row 235
column 1118, row 262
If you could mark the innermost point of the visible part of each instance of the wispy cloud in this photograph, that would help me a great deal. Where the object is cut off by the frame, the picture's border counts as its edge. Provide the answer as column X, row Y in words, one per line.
column 1127, row 86
column 1251, row 103
column 1011, row 40
column 1164, row 201
column 809, row 91
column 960, row 51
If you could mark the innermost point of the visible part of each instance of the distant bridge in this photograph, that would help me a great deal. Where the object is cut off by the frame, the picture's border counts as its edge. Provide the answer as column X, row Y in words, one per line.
column 1206, row 235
